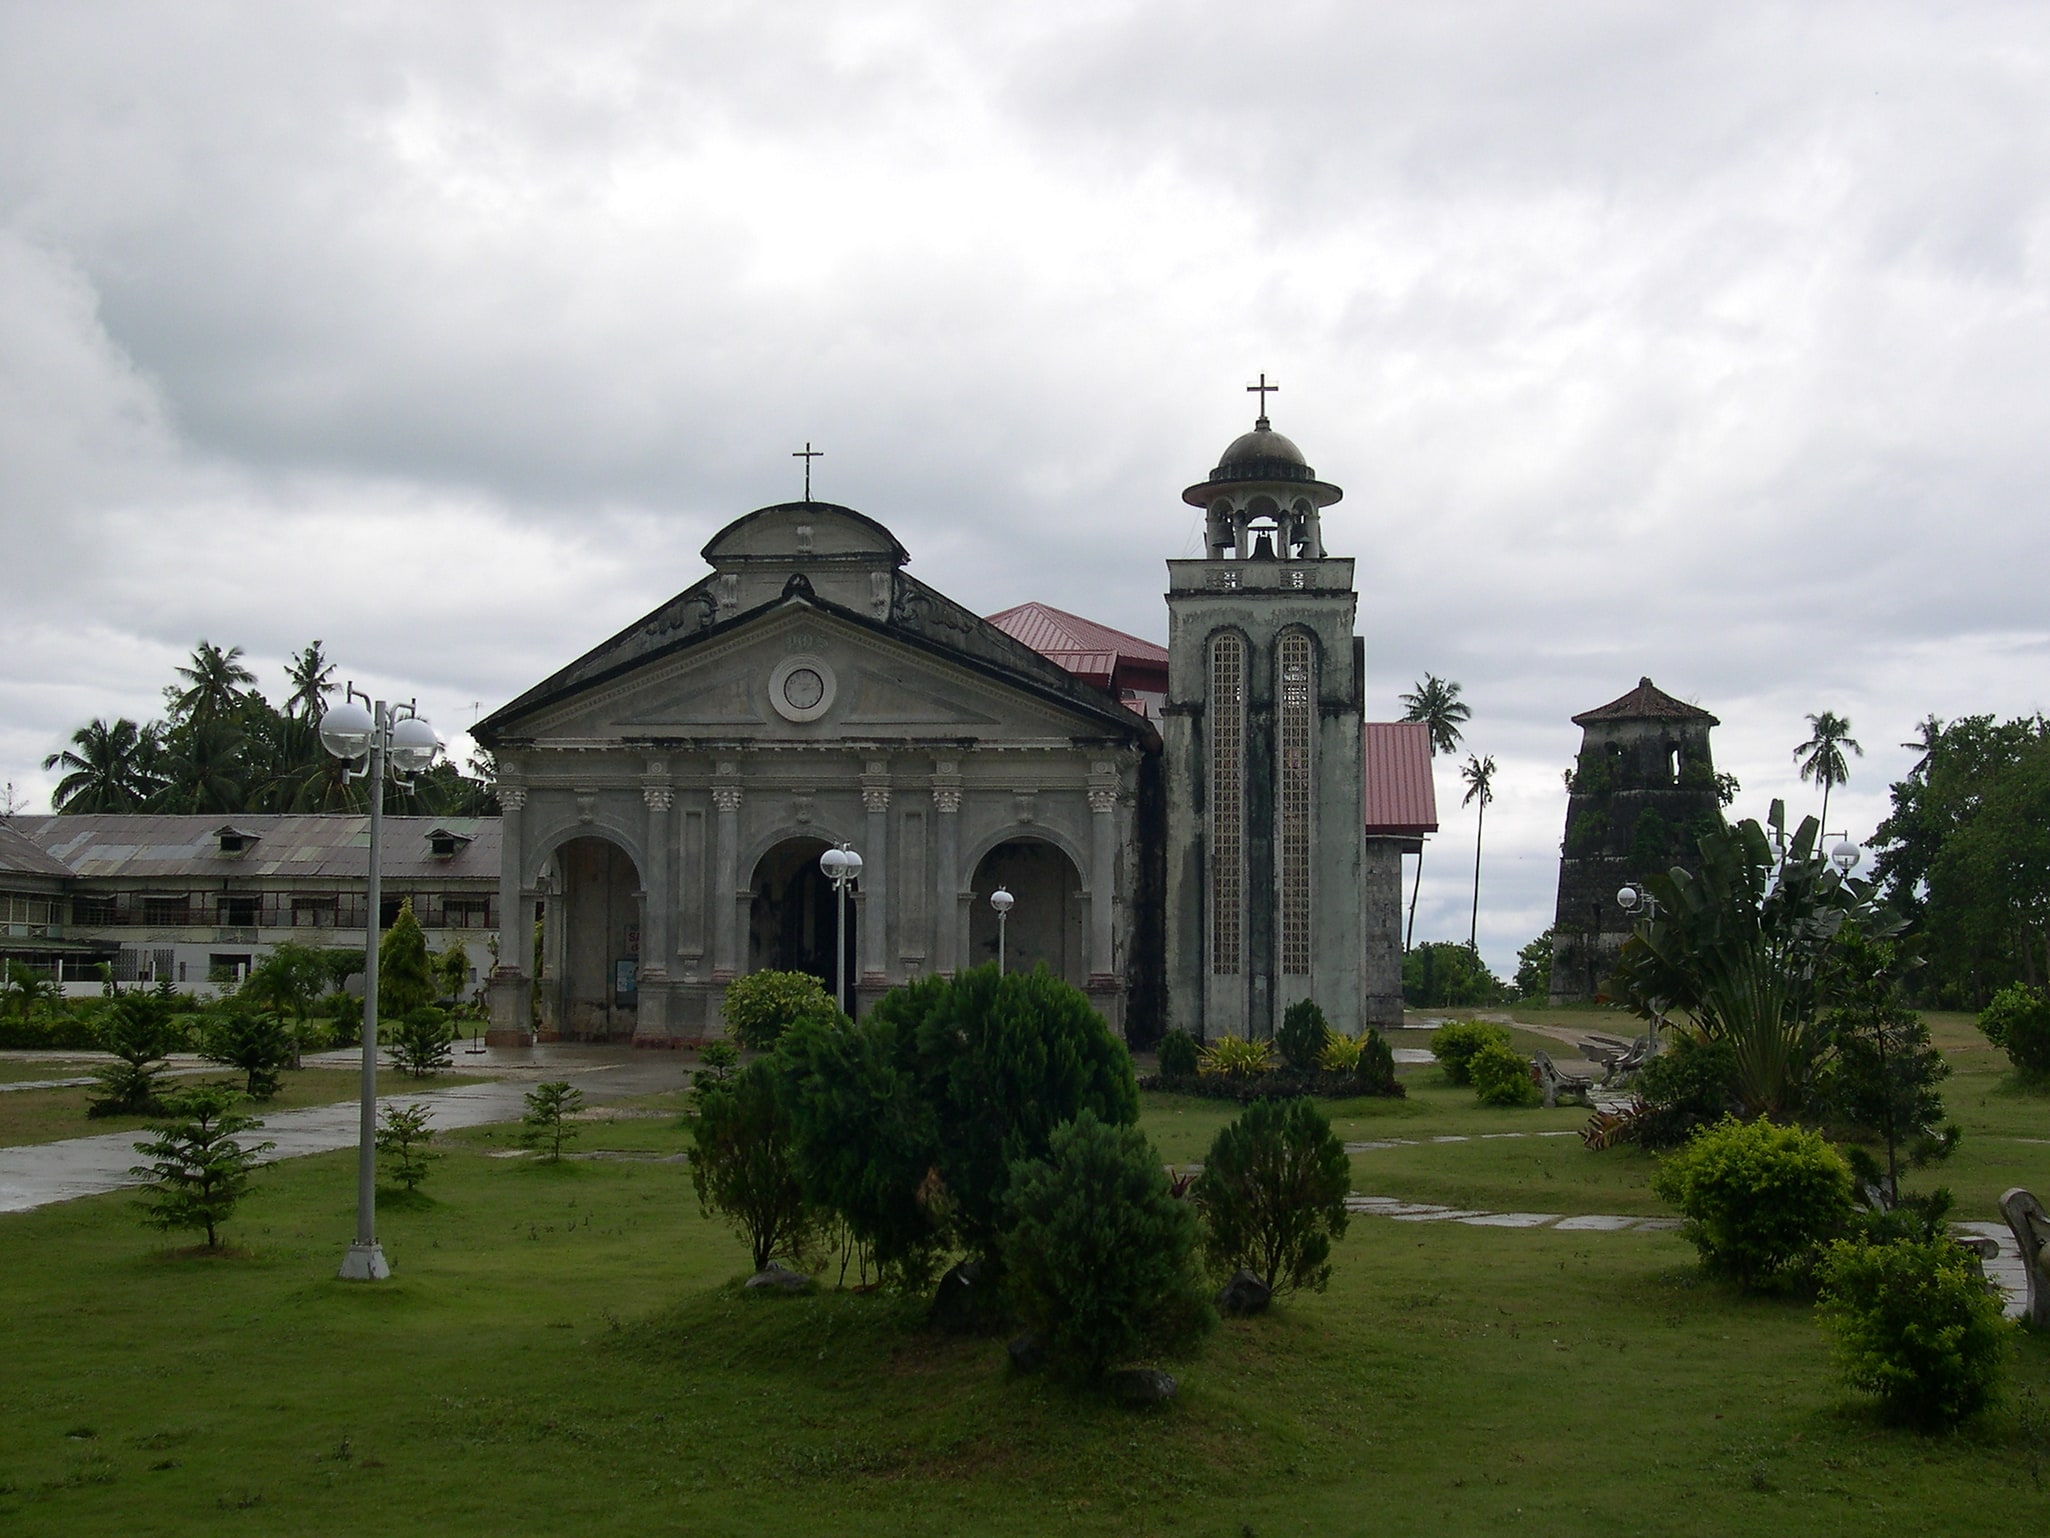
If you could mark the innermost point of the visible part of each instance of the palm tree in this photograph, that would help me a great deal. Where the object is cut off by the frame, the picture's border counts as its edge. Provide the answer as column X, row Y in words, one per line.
column 1929, row 735
column 214, row 682
column 1479, row 774
column 1828, row 735
column 108, row 768
column 1438, row 706
column 203, row 768
column 312, row 678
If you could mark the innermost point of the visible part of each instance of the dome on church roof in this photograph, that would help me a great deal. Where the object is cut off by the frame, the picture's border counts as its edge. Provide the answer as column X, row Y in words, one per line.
column 1262, row 455
column 1260, row 447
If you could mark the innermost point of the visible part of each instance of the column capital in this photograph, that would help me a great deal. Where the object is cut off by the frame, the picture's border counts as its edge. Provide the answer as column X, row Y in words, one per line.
column 511, row 798
column 726, row 797
column 658, row 798
column 1102, row 800
column 946, row 799
column 875, row 798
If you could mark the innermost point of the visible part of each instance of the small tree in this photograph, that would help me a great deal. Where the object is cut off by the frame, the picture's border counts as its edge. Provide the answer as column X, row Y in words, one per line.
column 251, row 1038
column 545, row 1123
column 138, row 1028
column 1098, row 1254
column 405, row 979
column 198, row 1170
column 402, row 1139
column 290, row 980
column 1758, row 1198
column 1915, row 1326
column 1302, row 1034
column 761, row 1006
column 717, row 1063
column 1534, row 969
column 1455, row 1043
column 452, row 972
column 1273, row 1193
column 421, row 1041
column 741, row 1166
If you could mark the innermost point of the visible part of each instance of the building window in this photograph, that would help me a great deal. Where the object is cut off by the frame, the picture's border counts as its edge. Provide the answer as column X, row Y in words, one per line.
column 466, row 913
column 1295, row 692
column 93, row 910
column 164, row 912
column 238, row 911
column 313, row 913
column 1227, row 711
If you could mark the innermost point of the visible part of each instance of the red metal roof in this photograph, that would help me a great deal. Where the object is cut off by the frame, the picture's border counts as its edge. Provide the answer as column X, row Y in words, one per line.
column 1401, row 800
column 1088, row 650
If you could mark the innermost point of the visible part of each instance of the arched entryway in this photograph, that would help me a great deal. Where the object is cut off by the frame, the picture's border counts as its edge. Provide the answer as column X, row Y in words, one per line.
column 1045, row 926
column 790, row 922
column 599, row 952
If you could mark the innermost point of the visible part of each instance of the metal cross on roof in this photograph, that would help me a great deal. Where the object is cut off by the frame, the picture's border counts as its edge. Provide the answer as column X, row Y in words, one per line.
column 808, row 454
column 1263, row 389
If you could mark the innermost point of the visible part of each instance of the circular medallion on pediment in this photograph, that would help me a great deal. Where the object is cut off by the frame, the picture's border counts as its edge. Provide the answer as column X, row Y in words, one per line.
column 801, row 688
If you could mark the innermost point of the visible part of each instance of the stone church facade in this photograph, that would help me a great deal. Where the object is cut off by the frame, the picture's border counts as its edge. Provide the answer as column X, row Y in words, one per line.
column 666, row 797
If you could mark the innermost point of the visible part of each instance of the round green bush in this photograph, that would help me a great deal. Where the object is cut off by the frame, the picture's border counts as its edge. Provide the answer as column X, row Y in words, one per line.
column 1758, row 1197
column 1302, row 1034
column 760, row 1007
column 2017, row 1020
column 1273, row 1192
column 1690, row 1084
column 1098, row 1252
column 1500, row 1075
column 1455, row 1042
column 1915, row 1327
column 1179, row 1055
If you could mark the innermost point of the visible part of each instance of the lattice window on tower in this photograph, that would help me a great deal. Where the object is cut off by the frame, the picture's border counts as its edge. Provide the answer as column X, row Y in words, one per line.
column 1295, row 723
column 1227, row 713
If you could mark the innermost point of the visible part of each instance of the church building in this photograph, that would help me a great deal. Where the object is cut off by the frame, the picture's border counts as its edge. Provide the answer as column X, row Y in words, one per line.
column 1189, row 834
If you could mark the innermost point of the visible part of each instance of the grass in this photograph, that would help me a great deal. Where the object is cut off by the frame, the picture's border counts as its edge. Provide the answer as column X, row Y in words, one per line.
column 47, row 1115
column 564, row 1349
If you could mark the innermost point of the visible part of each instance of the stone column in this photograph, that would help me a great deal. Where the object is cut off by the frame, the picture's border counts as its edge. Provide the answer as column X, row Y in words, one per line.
column 1103, row 861
column 875, row 876
column 658, row 891
column 510, row 991
column 946, row 908
column 725, row 878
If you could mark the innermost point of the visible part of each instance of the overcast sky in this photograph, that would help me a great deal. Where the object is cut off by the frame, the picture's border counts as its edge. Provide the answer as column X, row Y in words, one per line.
column 1704, row 342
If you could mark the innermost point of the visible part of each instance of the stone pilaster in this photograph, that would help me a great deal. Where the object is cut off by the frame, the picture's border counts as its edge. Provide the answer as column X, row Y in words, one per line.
column 947, row 920
column 875, row 875
column 725, row 874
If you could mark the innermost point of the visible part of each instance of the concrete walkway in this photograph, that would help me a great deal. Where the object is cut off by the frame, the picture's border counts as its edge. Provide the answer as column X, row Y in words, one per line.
column 42, row 1173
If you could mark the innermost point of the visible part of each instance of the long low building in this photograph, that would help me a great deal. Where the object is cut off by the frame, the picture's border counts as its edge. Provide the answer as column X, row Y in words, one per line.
column 196, row 900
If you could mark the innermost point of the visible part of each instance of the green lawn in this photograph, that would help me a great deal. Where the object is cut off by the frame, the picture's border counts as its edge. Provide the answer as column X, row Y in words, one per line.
column 563, row 1350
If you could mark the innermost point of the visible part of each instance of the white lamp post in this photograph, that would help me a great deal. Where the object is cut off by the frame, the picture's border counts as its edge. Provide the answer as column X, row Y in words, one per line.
column 841, row 865
column 378, row 739
column 1630, row 897
column 1002, row 901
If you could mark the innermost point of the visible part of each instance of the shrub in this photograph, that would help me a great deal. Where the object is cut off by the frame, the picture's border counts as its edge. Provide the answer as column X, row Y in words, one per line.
column 1236, row 1057
column 421, row 1041
column 1341, row 1053
column 402, row 1139
column 545, row 1122
column 1273, row 1192
column 1179, row 1055
column 1758, row 1197
column 197, row 1170
column 1500, row 1075
column 1374, row 1072
column 741, row 1165
column 717, row 1062
column 1690, row 1084
column 251, row 1038
column 1098, row 1254
column 760, row 1007
column 1302, row 1035
column 1455, row 1042
column 2017, row 1020
column 139, row 1029
column 405, row 977
column 1915, row 1326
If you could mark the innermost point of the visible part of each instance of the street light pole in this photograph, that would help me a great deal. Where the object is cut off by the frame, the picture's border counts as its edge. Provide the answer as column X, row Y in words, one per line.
column 1002, row 901
column 841, row 865
column 377, row 737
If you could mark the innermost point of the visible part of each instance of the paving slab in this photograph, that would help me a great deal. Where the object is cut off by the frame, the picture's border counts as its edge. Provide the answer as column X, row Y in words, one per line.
column 1511, row 1219
column 1596, row 1222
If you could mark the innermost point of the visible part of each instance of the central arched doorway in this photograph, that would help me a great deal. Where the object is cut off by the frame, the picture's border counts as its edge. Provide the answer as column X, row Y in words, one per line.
column 598, row 958
column 1045, row 926
column 790, row 923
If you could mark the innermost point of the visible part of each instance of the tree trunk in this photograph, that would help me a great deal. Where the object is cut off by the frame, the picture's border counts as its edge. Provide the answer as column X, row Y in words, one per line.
column 1474, row 924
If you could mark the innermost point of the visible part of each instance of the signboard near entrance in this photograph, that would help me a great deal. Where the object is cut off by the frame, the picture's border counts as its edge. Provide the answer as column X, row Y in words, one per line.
column 625, row 979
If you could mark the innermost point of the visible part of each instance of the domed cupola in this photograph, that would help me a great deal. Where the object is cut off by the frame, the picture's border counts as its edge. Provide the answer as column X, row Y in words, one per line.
column 1263, row 498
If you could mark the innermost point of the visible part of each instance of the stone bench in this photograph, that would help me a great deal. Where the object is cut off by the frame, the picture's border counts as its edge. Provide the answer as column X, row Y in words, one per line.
column 1556, row 1084
column 2031, row 1225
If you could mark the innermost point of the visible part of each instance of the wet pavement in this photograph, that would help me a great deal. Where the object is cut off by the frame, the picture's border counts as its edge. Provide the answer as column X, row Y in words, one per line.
column 42, row 1173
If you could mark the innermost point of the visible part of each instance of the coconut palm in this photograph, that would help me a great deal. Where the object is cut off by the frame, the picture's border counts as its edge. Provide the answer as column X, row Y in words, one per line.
column 1436, row 703
column 1479, row 774
column 1928, row 737
column 312, row 678
column 214, row 681
column 1828, row 735
column 108, row 768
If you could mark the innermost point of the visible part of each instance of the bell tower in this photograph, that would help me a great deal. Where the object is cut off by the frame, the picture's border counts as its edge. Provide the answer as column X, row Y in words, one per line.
column 1262, row 752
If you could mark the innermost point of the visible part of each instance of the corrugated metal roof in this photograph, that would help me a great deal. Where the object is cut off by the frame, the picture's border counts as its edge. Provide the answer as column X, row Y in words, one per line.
column 1400, row 797
column 1647, row 702
column 311, row 844
column 20, row 855
column 1060, row 635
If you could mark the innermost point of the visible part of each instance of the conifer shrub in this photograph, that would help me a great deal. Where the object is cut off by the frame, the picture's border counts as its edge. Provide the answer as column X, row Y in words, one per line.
column 742, row 1166
column 1758, row 1197
column 1500, row 1075
column 545, row 1124
column 1303, row 1033
column 198, row 1170
column 761, row 1006
column 244, row 1035
column 1272, row 1193
column 140, row 1029
column 1455, row 1042
column 405, row 976
column 2017, row 1020
column 1915, row 1327
column 1179, row 1055
column 422, row 1041
column 1374, row 1069
column 1099, row 1255
column 402, row 1143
